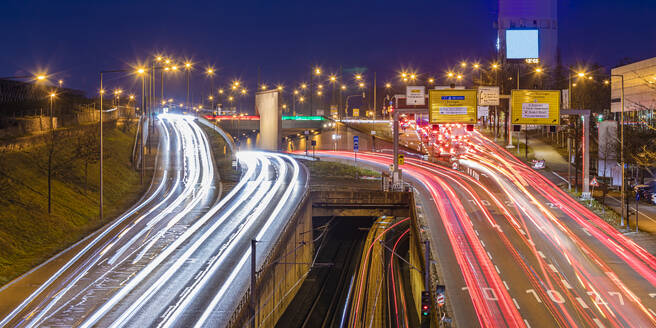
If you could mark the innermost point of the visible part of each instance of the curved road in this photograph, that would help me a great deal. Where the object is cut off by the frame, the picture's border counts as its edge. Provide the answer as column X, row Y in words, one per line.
column 178, row 257
column 516, row 251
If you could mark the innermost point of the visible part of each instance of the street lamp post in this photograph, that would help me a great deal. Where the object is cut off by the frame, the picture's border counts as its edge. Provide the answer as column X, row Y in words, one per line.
column 622, row 196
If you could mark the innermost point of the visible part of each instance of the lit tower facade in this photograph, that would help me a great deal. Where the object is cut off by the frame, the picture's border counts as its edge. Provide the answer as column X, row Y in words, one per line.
column 530, row 14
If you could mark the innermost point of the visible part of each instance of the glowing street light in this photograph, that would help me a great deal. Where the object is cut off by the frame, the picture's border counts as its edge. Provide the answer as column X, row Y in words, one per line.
column 459, row 77
column 538, row 70
column 295, row 92
column 388, row 85
column 303, row 86
column 317, row 71
column 263, row 87
column 463, row 64
column 343, row 87
column 358, row 77
column 279, row 87
column 40, row 77
column 431, row 80
column 580, row 74
column 495, row 66
column 333, row 78
column 450, row 74
column 361, row 84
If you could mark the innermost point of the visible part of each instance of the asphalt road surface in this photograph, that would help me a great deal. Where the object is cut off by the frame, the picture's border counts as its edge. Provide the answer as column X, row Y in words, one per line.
column 178, row 258
column 516, row 251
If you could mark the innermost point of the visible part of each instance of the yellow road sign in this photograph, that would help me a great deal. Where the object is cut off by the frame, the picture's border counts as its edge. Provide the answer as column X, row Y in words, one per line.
column 452, row 106
column 401, row 159
column 540, row 107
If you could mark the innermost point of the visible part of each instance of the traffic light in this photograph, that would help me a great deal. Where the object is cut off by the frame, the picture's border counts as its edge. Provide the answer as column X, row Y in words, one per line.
column 425, row 303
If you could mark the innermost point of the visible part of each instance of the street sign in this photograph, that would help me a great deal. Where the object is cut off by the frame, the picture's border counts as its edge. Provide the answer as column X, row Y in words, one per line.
column 356, row 112
column 452, row 106
column 415, row 95
column 538, row 107
column 314, row 143
column 401, row 159
column 356, row 143
column 488, row 96
column 594, row 182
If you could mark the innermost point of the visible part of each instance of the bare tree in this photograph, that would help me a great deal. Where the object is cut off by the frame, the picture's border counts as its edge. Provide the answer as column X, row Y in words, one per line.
column 53, row 158
column 86, row 149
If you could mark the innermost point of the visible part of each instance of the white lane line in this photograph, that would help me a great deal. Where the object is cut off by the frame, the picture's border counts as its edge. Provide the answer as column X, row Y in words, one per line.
column 505, row 284
column 542, row 255
column 582, row 302
column 490, row 255
column 598, row 322
column 482, row 243
column 497, row 268
column 652, row 312
column 516, row 305
column 526, row 322
column 530, row 241
column 586, row 232
column 566, row 284
column 553, row 268
column 476, row 231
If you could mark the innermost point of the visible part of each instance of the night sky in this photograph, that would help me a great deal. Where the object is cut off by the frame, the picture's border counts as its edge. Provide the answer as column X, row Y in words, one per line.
column 75, row 39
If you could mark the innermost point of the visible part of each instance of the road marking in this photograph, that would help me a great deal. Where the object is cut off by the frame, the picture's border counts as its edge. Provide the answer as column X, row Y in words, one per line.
column 553, row 268
column 530, row 241
column 516, row 305
column 482, row 243
column 586, row 232
column 496, row 267
column 599, row 324
column 505, row 284
column 582, row 302
column 542, row 255
column 652, row 312
column 566, row 284
column 476, row 231
column 526, row 322
column 652, row 295
column 490, row 255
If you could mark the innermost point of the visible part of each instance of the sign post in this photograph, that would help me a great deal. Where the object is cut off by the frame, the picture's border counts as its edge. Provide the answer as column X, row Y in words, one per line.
column 356, row 147
column 415, row 95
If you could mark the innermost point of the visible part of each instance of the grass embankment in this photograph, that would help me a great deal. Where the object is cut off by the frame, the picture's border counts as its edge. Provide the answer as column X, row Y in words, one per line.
column 28, row 234
column 222, row 158
column 324, row 169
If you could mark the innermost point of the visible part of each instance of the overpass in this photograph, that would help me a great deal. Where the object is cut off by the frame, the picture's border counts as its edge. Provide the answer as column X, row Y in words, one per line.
column 252, row 122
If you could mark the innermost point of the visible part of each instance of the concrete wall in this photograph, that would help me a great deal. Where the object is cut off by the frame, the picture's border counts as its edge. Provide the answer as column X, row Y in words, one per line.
column 282, row 273
column 27, row 125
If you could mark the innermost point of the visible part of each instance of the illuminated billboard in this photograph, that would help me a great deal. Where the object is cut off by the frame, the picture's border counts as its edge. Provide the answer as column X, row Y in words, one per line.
column 452, row 106
column 522, row 44
column 540, row 107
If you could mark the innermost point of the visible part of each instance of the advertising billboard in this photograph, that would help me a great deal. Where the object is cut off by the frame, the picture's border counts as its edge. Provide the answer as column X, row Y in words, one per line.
column 415, row 95
column 539, row 107
column 522, row 44
column 452, row 106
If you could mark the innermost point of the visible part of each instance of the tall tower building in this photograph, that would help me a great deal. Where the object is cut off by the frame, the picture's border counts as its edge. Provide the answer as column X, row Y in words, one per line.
column 530, row 14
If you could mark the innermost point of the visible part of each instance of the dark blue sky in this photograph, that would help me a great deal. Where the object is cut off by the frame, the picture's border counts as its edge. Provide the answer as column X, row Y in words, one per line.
column 75, row 39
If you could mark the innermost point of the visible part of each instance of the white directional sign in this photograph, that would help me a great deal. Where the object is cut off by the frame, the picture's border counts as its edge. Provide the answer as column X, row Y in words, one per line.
column 488, row 96
column 415, row 95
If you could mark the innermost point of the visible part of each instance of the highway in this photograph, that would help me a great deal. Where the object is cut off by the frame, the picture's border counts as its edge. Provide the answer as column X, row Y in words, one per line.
column 178, row 258
column 516, row 251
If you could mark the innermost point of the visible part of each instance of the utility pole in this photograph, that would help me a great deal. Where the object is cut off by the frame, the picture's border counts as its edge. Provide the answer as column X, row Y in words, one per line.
column 623, row 187
column 101, row 146
column 253, row 272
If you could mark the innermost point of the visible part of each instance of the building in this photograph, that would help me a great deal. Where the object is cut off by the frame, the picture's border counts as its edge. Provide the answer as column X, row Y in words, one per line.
column 530, row 14
column 639, row 89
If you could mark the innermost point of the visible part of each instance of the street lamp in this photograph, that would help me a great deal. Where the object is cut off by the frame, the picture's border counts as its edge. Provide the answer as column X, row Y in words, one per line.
column 188, row 67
